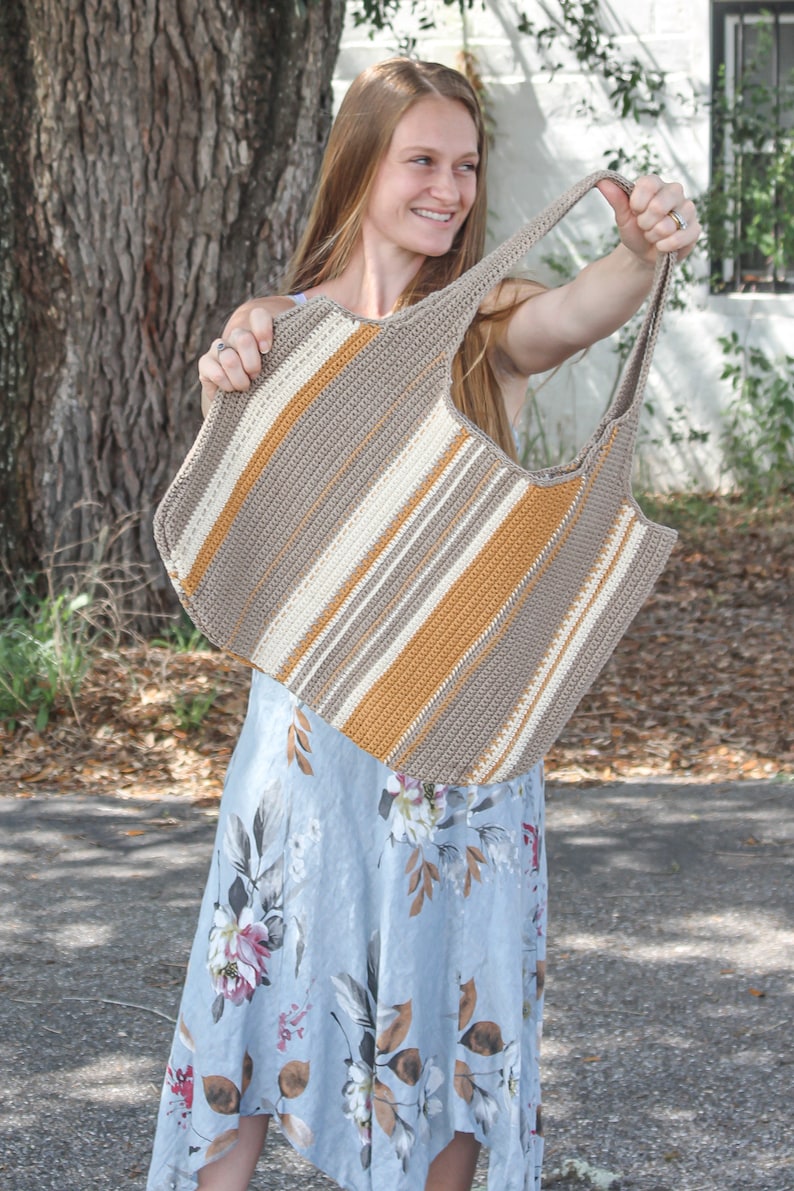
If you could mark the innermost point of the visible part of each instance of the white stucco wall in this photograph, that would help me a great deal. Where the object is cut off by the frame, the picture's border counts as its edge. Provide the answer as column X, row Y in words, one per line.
column 543, row 145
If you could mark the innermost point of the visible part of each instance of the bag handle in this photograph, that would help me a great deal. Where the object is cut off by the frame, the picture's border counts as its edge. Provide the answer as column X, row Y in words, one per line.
column 457, row 304
column 473, row 285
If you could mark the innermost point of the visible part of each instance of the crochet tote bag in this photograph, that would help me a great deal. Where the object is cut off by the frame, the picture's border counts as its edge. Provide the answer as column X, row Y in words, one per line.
column 343, row 528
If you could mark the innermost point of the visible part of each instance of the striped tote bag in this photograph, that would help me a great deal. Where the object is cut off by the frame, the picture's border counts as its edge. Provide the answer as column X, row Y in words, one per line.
column 343, row 528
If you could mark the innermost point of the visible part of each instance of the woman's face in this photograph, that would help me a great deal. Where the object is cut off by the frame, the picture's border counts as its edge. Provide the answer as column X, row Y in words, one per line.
column 426, row 183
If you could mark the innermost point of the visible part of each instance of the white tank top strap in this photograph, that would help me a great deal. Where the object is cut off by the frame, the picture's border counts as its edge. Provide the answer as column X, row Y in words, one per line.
column 299, row 299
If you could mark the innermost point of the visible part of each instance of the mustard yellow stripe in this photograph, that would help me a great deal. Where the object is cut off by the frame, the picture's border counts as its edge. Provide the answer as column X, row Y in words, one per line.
column 303, row 398
column 395, row 527
column 496, row 635
column 397, row 697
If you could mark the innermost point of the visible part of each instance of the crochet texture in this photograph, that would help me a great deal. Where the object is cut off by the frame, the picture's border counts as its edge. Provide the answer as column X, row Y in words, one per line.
column 345, row 529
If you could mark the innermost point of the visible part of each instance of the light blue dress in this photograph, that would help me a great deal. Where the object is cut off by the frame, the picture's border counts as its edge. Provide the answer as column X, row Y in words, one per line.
column 368, row 965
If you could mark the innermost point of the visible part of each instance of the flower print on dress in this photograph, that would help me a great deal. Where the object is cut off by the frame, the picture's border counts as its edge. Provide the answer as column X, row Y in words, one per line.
column 298, row 847
column 293, row 1079
column 429, row 1104
column 290, row 1022
column 298, row 744
column 510, row 1076
column 238, row 953
column 415, row 808
column 180, row 1084
column 297, row 852
column 367, row 1097
column 419, row 812
column 488, row 1065
column 249, row 925
column 484, row 1106
column 531, row 835
column 357, row 1097
column 358, row 1004
column 403, row 1138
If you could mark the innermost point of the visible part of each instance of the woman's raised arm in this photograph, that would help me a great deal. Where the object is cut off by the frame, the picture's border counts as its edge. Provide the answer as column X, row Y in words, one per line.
column 557, row 323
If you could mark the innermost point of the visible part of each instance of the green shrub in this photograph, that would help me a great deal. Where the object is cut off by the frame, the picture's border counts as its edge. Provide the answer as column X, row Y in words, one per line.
column 45, row 651
column 758, row 439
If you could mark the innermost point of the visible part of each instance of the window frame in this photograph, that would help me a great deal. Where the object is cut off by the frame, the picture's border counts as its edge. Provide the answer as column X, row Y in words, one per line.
column 728, row 272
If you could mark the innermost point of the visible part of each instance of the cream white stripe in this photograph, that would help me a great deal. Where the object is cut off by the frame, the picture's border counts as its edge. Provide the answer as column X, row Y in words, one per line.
column 477, row 543
column 256, row 419
column 388, row 567
column 570, row 648
column 351, row 544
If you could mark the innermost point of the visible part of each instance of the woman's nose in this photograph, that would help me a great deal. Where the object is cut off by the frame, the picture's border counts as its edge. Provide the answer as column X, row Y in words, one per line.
column 444, row 185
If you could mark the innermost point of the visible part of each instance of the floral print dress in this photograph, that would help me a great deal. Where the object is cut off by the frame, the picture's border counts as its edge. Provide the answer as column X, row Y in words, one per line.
column 368, row 965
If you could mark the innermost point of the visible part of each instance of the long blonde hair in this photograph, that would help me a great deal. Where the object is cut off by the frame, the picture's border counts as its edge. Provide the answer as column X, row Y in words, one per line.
column 361, row 134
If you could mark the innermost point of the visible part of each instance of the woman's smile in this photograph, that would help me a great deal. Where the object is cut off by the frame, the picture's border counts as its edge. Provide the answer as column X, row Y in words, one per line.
column 437, row 216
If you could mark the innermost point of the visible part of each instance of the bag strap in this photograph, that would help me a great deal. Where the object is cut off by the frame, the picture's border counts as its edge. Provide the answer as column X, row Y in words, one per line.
column 471, row 287
column 457, row 304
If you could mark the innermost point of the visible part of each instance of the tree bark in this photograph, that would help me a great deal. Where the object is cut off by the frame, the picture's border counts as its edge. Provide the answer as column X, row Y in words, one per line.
column 155, row 160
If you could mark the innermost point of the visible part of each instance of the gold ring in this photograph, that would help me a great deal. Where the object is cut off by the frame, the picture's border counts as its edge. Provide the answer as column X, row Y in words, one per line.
column 678, row 220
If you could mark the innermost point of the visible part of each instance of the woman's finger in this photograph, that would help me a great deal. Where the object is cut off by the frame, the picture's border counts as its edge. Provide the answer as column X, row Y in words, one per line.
column 666, row 217
column 678, row 231
column 226, row 357
column 261, row 323
column 211, row 374
column 652, row 203
column 245, row 344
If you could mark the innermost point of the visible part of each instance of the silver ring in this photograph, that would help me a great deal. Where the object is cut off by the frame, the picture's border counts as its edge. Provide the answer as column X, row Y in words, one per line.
column 221, row 346
column 679, row 221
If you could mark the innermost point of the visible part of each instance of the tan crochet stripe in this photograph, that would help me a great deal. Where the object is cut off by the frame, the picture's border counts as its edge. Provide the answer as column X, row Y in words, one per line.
column 421, row 564
column 225, row 441
column 472, row 668
column 420, row 603
column 385, row 541
column 297, row 606
column 328, row 493
column 285, row 423
column 561, row 693
column 581, row 619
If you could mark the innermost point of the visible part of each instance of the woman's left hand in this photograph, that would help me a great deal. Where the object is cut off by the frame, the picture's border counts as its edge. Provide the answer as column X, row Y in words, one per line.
column 646, row 219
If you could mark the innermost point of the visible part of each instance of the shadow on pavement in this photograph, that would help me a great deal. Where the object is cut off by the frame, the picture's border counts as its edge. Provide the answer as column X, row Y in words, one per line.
column 667, row 1054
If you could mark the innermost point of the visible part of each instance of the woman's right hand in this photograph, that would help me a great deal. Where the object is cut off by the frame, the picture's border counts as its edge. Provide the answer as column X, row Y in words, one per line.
column 235, row 360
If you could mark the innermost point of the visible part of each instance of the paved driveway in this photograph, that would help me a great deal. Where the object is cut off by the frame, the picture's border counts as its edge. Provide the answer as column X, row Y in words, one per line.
column 668, row 1061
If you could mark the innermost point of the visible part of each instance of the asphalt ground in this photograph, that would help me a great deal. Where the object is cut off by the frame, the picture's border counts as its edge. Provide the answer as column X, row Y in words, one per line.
column 668, row 1056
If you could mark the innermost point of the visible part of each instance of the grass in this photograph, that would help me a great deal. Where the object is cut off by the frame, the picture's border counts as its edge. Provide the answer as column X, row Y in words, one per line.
column 181, row 635
column 693, row 513
column 45, row 652
column 190, row 711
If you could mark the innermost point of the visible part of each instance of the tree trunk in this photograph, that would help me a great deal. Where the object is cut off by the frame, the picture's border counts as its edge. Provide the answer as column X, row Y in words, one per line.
column 155, row 159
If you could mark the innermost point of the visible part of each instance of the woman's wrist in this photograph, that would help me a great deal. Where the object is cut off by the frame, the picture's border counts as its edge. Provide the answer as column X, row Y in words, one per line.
column 641, row 264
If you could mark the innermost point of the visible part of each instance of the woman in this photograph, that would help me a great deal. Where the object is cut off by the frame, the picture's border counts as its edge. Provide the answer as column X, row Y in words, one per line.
column 368, row 966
